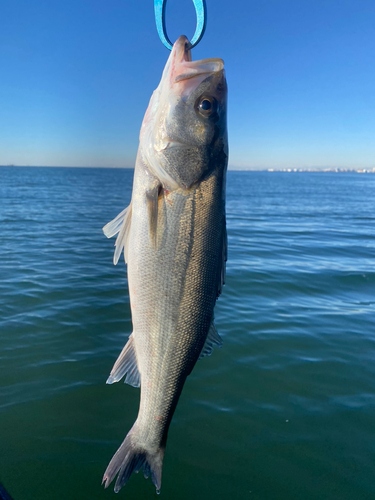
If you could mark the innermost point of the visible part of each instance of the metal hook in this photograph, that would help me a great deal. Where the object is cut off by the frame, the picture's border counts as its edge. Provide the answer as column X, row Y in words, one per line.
column 201, row 11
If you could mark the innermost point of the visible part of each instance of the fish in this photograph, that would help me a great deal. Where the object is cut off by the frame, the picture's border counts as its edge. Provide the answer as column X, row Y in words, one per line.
column 173, row 236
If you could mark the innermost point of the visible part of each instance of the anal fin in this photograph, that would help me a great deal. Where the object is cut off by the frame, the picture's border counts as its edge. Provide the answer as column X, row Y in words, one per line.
column 126, row 364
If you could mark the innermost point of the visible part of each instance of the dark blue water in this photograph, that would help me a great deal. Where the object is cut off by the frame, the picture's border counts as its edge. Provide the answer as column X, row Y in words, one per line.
column 284, row 411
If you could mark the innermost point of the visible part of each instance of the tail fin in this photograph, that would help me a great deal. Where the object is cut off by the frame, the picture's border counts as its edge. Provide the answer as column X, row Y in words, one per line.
column 131, row 458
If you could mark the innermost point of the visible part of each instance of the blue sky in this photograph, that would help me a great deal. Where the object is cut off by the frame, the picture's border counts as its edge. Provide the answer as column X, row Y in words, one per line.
column 76, row 78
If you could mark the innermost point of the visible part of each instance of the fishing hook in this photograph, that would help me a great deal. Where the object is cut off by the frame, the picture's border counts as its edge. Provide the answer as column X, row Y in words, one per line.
column 201, row 11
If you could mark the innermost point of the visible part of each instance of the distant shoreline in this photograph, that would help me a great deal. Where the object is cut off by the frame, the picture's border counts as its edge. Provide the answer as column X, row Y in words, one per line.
column 333, row 170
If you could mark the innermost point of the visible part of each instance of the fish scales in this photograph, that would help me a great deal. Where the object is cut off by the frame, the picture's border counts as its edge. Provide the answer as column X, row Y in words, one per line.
column 172, row 342
column 174, row 239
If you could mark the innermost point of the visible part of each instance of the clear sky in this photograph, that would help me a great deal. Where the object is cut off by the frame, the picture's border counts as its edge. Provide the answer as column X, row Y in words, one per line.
column 76, row 77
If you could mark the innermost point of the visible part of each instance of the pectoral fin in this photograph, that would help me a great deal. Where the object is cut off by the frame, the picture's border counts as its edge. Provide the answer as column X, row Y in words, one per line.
column 121, row 224
column 152, row 196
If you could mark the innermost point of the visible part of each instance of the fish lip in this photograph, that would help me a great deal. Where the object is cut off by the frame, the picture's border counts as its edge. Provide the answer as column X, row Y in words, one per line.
column 182, row 49
column 186, row 68
column 201, row 67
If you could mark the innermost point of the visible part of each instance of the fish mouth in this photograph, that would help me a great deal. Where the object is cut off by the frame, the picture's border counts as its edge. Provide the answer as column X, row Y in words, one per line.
column 185, row 69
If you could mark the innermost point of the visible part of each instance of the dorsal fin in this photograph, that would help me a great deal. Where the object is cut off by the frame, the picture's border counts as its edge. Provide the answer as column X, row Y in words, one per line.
column 120, row 224
column 126, row 363
column 213, row 338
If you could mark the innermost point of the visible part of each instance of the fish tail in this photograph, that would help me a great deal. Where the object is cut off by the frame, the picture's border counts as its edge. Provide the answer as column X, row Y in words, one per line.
column 130, row 458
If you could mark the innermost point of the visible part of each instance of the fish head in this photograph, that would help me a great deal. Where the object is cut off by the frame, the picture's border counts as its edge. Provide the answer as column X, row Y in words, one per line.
column 184, row 132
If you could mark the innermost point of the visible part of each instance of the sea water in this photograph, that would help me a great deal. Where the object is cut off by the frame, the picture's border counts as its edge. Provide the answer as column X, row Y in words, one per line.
column 284, row 411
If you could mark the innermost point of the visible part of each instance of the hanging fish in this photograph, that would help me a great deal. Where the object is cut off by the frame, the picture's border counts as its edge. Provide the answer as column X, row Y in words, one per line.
column 173, row 236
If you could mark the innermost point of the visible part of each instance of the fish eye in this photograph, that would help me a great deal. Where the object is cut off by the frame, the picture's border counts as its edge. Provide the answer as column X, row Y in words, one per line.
column 206, row 105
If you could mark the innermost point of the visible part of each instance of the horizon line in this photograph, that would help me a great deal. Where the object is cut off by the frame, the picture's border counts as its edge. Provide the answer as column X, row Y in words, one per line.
column 230, row 168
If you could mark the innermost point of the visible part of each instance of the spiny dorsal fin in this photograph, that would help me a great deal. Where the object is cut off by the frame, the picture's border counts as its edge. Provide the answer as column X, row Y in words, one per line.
column 213, row 338
column 126, row 363
column 224, row 257
column 121, row 224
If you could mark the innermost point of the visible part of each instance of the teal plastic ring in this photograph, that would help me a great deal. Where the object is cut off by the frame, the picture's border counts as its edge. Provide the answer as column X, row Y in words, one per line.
column 201, row 11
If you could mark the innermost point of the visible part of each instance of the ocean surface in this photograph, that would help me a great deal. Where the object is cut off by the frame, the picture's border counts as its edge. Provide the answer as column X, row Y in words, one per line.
column 284, row 411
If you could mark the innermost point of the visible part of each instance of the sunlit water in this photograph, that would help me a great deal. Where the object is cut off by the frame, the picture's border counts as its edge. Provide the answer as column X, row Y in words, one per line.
column 284, row 411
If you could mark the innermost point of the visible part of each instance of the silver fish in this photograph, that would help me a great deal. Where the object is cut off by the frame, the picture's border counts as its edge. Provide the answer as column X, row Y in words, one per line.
column 173, row 235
